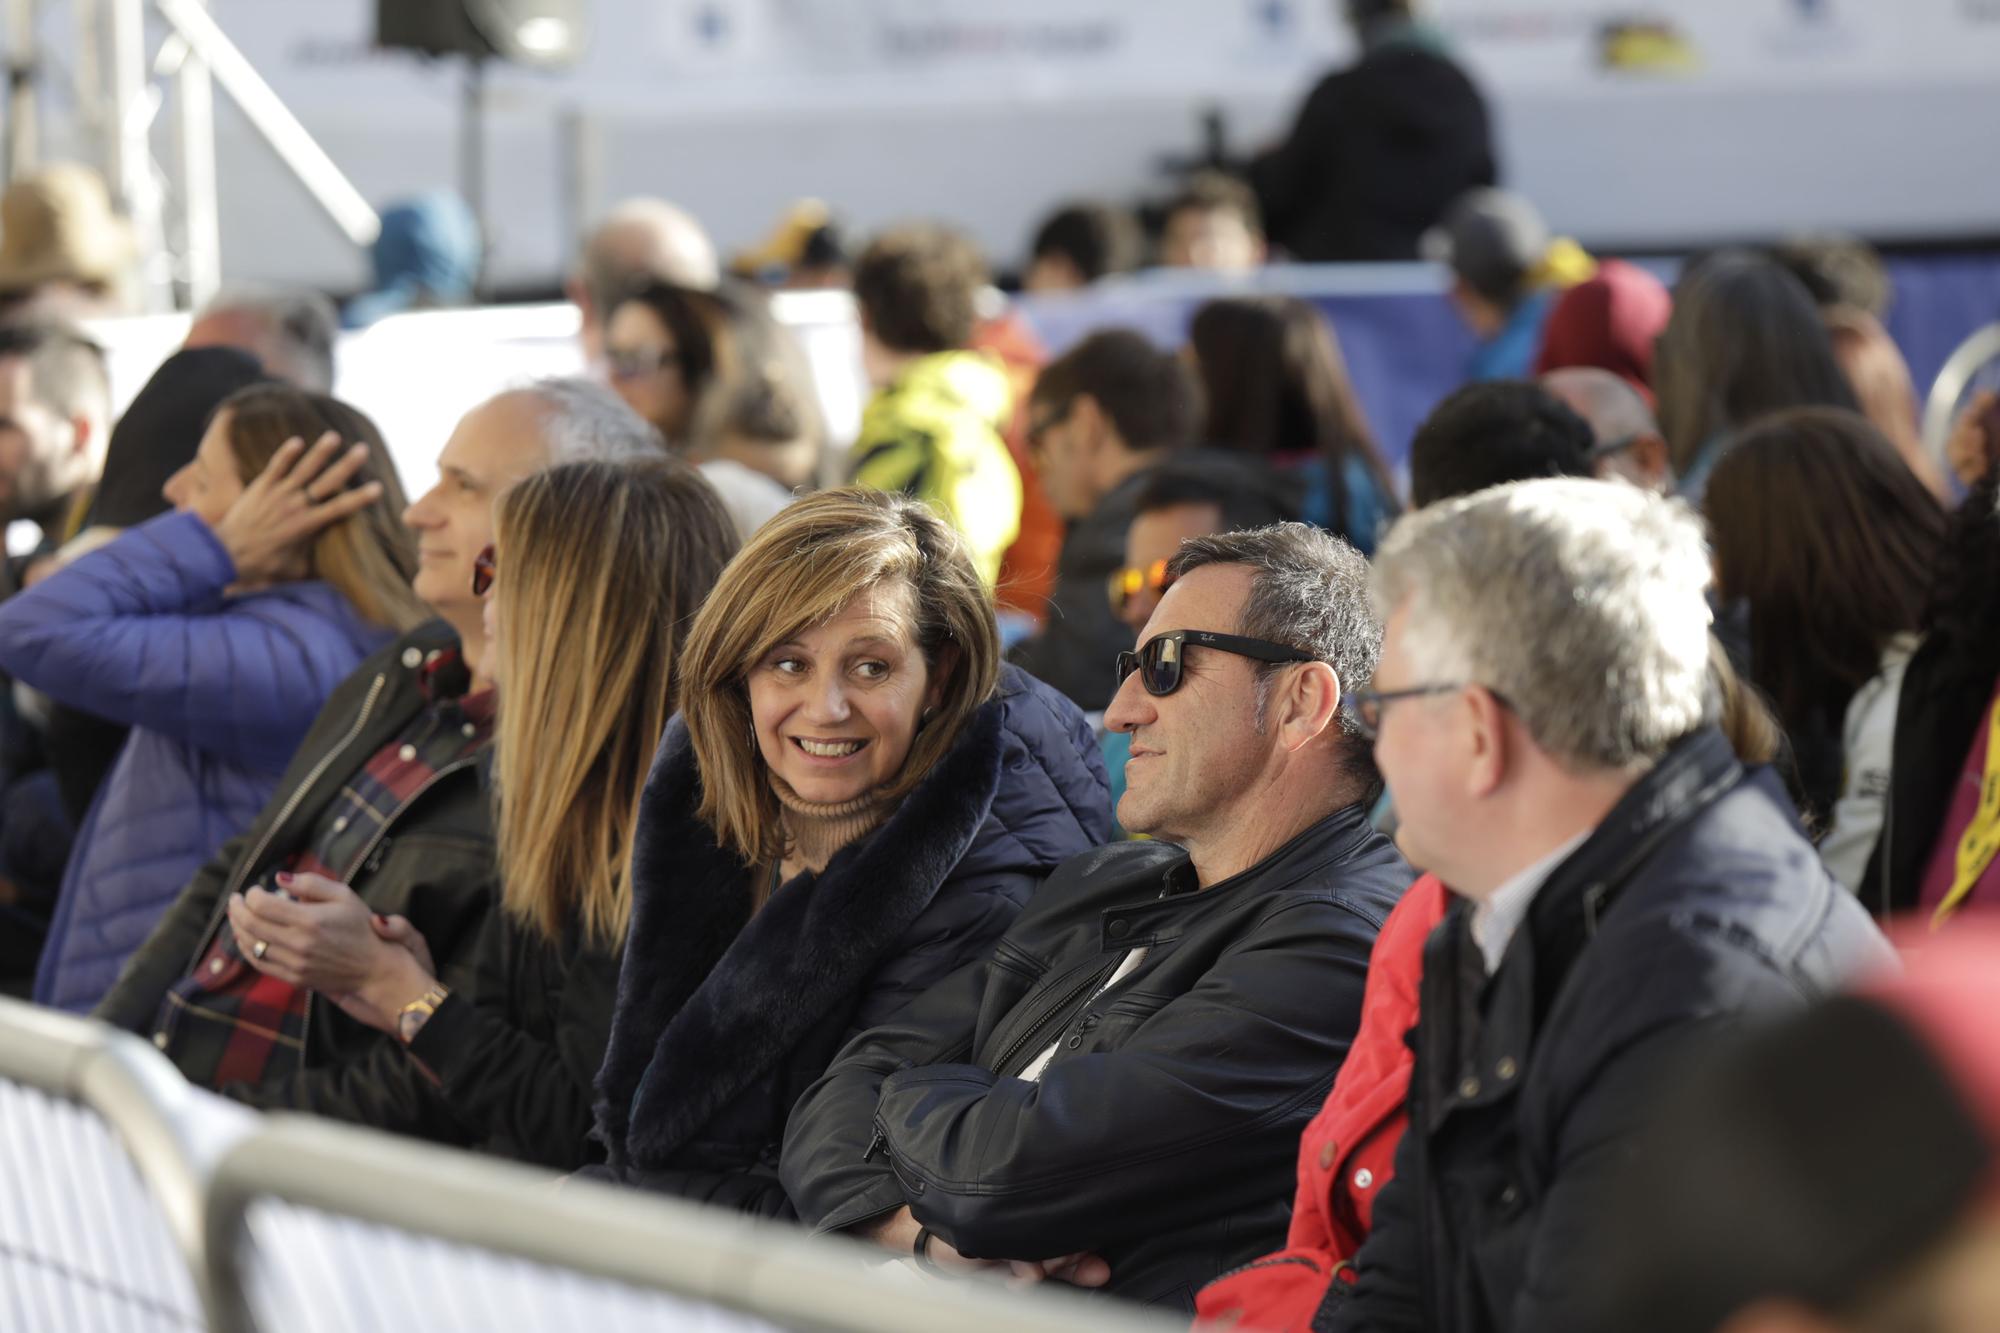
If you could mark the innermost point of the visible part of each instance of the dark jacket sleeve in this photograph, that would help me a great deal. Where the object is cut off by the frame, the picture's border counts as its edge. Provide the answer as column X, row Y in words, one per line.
column 134, row 1001
column 757, row 1193
column 831, row 1167
column 503, row 1082
column 141, row 633
column 1009, row 1169
column 1612, row 1084
column 957, row 929
column 961, row 925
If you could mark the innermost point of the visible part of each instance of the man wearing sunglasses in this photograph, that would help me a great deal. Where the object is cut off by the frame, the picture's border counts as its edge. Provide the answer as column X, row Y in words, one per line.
column 1115, row 1097
column 1621, row 888
column 384, row 800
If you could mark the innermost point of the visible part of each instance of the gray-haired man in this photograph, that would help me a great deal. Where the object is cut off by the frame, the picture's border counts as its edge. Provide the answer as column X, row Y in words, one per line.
column 1544, row 718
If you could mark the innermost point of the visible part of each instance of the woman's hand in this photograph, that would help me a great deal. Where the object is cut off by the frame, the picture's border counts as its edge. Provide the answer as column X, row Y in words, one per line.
column 295, row 497
column 318, row 934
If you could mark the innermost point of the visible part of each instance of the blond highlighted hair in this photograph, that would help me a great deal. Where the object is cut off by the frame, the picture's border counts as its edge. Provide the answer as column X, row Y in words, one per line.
column 800, row 570
column 601, row 566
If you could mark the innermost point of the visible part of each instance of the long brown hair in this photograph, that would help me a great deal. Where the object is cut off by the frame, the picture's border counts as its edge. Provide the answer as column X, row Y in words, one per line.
column 1817, row 524
column 1276, row 383
column 369, row 557
column 1745, row 340
column 601, row 566
column 801, row 568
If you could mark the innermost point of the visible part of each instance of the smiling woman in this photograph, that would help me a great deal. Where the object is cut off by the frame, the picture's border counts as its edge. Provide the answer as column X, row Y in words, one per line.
column 857, row 801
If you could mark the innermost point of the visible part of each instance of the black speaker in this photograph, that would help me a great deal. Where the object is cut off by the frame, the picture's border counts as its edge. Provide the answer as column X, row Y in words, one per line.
column 531, row 32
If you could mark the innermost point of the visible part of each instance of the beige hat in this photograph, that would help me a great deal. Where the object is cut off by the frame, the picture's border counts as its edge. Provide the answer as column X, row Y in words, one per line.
column 56, row 225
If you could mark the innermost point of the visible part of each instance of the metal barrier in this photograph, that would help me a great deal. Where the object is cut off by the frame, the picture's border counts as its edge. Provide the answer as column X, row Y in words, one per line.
column 1969, row 366
column 104, row 1151
column 320, row 1228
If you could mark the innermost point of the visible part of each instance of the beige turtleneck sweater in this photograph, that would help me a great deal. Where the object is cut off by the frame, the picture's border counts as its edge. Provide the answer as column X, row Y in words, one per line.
column 815, row 831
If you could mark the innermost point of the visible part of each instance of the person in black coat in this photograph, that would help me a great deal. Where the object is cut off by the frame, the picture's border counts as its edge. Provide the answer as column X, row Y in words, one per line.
column 1544, row 717
column 1380, row 149
column 503, row 1053
column 1115, row 1097
column 856, row 802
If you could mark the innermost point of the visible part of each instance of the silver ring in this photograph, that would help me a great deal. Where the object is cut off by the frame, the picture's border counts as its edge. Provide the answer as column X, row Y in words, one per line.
column 258, row 949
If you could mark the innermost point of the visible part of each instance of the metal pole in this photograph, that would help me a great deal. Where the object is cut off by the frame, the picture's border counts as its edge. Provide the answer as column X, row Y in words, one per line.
column 269, row 116
column 23, row 57
column 583, row 176
column 472, row 146
column 131, row 167
column 89, row 91
column 194, row 133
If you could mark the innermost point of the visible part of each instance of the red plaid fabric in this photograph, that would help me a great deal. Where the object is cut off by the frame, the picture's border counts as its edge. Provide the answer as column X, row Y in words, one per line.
column 226, row 1022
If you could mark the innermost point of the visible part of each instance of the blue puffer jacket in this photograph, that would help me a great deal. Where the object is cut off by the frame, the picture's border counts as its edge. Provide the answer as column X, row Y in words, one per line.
column 219, row 691
column 723, row 1018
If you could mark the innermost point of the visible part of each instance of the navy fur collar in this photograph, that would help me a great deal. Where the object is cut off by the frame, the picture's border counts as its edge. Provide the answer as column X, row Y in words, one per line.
column 709, row 997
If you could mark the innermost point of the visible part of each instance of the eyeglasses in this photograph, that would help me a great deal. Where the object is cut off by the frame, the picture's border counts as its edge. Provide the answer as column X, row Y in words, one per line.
column 635, row 363
column 1366, row 706
column 484, row 566
column 1129, row 582
column 1158, row 660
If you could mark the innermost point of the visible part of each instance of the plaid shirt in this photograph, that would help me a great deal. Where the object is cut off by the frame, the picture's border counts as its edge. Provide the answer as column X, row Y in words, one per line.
column 227, row 1022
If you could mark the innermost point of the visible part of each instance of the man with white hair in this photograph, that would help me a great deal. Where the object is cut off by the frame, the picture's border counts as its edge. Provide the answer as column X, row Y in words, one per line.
column 1630, row 447
column 640, row 240
column 385, row 796
column 1544, row 717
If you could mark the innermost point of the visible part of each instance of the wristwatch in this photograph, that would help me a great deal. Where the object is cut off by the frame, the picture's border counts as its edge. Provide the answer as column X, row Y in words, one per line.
column 410, row 1019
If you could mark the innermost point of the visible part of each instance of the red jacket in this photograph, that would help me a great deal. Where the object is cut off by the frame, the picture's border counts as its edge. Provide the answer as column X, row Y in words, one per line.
column 1349, row 1148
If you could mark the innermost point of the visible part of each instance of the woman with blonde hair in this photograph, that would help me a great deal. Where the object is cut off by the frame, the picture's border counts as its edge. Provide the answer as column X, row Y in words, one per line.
column 595, row 570
column 856, row 801
column 215, row 632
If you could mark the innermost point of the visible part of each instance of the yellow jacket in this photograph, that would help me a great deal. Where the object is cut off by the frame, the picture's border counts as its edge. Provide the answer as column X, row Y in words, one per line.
column 935, row 433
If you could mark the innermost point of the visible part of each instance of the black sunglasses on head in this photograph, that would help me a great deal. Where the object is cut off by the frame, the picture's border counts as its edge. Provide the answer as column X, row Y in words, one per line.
column 1159, row 659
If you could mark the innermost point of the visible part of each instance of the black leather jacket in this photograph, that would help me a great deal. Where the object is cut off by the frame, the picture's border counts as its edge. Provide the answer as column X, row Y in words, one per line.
column 1162, row 1134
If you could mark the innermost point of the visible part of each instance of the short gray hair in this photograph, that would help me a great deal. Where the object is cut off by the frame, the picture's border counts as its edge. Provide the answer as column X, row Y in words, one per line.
column 583, row 421
column 296, row 331
column 1581, row 603
column 1308, row 590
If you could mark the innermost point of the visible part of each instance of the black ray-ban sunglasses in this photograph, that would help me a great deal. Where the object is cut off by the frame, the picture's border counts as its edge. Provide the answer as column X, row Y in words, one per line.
column 1158, row 660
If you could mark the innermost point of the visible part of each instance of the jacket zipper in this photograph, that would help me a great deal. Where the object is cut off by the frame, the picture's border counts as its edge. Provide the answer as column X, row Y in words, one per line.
column 1089, row 985
column 244, row 866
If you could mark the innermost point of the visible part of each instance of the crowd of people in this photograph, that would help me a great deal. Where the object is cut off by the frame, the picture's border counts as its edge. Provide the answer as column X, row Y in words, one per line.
column 1108, row 827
